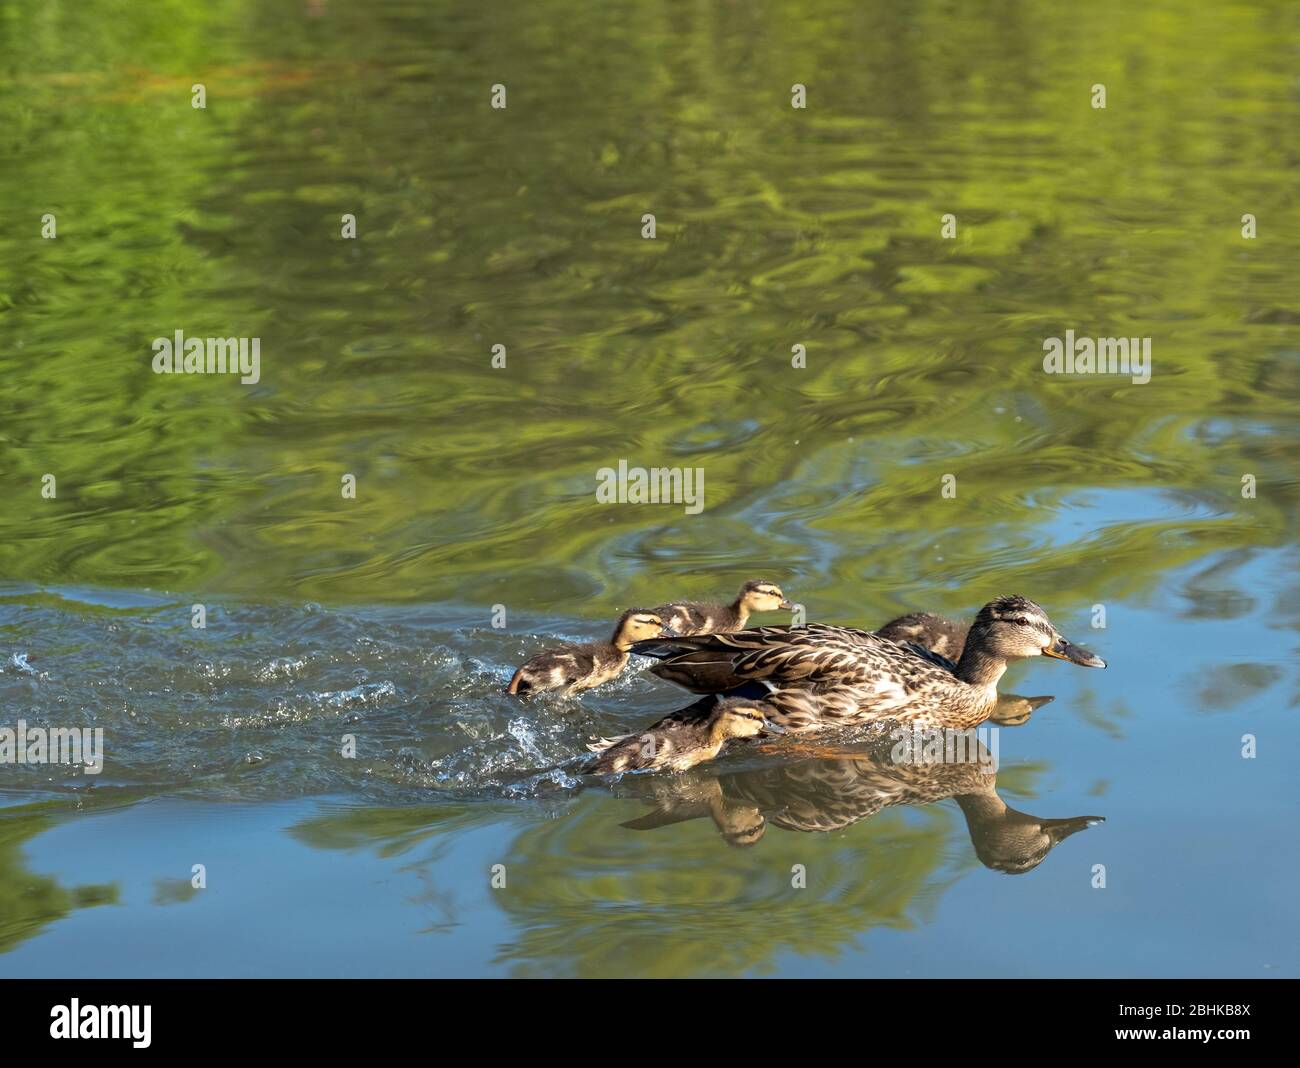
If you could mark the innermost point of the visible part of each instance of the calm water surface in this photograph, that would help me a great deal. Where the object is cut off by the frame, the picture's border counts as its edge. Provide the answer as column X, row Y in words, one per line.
column 373, row 617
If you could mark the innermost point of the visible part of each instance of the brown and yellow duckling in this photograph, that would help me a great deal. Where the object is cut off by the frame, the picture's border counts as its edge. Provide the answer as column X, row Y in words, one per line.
column 690, row 617
column 818, row 676
column 676, row 743
column 929, row 631
column 581, row 666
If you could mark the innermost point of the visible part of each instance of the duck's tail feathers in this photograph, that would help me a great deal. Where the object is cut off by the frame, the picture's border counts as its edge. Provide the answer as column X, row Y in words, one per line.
column 599, row 745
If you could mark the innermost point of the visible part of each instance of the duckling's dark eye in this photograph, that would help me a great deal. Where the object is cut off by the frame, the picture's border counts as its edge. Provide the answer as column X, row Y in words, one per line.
column 1020, row 621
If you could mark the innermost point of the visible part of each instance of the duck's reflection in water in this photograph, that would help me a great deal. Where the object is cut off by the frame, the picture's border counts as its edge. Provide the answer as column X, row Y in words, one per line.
column 808, row 786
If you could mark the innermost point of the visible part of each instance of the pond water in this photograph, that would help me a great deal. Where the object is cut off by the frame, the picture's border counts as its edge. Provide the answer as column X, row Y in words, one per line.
column 1171, row 505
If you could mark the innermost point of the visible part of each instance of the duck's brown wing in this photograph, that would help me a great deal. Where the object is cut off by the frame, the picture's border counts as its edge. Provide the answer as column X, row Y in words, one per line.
column 711, row 663
column 812, row 656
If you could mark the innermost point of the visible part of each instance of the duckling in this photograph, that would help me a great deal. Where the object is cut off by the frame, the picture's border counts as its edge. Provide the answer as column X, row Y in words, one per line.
column 580, row 667
column 818, row 675
column 756, row 595
column 678, row 743
column 929, row 631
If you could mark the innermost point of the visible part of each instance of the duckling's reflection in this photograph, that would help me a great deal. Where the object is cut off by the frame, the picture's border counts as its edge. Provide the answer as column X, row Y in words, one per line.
column 832, row 786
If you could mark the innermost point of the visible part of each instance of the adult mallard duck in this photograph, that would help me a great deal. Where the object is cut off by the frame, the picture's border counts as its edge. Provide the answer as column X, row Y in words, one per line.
column 580, row 667
column 819, row 675
column 929, row 631
column 689, row 618
column 679, row 742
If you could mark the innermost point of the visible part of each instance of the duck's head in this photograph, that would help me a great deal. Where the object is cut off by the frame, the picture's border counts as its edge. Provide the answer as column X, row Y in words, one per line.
column 638, row 624
column 759, row 595
column 1013, row 628
column 740, row 718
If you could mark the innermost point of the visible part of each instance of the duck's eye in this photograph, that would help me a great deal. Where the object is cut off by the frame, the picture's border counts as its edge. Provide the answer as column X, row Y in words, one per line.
column 1020, row 621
